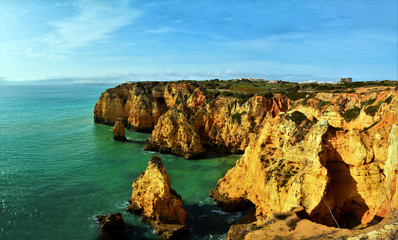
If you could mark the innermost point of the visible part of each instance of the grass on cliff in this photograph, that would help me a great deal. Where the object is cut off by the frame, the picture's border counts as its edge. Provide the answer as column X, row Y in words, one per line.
column 297, row 117
column 322, row 103
column 238, row 117
column 351, row 114
column 245, row 89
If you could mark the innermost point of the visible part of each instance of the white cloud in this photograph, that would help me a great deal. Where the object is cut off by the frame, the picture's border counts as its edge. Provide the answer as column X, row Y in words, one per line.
column 95, row 23
column 160, row 30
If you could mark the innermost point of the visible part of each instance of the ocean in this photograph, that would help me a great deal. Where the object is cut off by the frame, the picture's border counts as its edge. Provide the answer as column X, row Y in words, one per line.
column 59, row 169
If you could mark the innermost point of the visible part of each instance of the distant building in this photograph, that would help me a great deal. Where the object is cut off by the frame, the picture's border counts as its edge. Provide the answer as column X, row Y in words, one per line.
column 345, row 80
column 249, row 79
column 275, row 81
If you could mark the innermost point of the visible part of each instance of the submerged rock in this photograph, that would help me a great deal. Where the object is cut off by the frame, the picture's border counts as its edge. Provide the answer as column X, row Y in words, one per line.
column 158, row 204
column 119, row 131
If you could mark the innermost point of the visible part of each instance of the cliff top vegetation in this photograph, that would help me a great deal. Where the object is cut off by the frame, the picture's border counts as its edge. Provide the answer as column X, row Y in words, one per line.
column 245, row 89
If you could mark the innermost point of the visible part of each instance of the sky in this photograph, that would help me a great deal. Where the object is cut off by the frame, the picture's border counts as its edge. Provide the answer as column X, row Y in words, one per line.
column 138, row 40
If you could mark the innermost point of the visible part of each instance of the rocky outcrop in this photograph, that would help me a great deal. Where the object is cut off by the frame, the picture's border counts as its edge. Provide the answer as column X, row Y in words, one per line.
column 194, row 121
column 140, row 105
column 157, row 203
column 174, row 134
column 388, row 232
column 336, row 151
column 119, row 131
column 111, row 221
column 299, row 160
column 112, row 226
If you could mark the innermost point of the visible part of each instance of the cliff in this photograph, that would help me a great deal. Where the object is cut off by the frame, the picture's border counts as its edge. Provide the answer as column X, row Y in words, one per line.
column 314, row 158
column 157, row 203
column 332, row 154
column 185, row 120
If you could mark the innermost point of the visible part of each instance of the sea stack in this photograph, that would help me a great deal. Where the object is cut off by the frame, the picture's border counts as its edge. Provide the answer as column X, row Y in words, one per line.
column 118, row 130
column 158, row 204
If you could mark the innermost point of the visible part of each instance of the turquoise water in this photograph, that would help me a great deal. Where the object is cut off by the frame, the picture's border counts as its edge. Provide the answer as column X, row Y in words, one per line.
column 58, row 170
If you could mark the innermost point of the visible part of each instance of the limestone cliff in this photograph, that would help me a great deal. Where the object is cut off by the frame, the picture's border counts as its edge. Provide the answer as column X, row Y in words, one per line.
column 174, row 134
column 302, row 159
column 336, row 151
column 141, row 104
column 184, row 120
column 157, row 203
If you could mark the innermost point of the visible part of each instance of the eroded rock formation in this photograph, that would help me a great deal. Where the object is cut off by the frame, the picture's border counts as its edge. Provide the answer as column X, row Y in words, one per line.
column 157, row 203
column 184, row 120
column 111, row 221
column 119, row 131
column 299, row 160
column 174, row 134
column 112, row 226
column 327, row 150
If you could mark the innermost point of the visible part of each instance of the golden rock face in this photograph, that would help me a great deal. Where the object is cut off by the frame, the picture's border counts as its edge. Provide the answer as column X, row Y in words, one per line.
column 119, row 131
column 183, row 120
column 312, row 164
column 326, row 150
column 174, row 134
column 157, row 203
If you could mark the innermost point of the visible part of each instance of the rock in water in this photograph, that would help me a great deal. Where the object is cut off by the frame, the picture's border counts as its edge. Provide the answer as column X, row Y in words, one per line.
column 111, row 221
column 158, row 204
column 112, row 226
column 118, row 130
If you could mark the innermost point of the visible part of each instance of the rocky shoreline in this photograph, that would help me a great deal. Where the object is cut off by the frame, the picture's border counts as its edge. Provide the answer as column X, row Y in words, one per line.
column 331, row 154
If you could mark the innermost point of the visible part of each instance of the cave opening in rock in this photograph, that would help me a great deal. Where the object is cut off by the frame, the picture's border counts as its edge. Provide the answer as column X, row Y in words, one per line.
column 161, row 102
column 341, row 200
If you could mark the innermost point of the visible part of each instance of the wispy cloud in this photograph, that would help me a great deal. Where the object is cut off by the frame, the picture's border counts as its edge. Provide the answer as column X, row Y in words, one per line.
column 117, row 78
column 95, row 22
column 160, row 30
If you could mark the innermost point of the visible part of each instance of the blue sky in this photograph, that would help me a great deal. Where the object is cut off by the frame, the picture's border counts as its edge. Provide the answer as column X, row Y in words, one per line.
column 114, row 41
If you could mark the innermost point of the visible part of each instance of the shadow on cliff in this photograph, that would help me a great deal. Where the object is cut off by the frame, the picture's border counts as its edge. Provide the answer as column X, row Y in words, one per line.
column 341, row 194
column 129, row 232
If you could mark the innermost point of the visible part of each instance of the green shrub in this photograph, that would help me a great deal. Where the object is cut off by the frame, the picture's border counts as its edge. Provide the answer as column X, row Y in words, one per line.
column 367, row 128
column 368, row 102
column 228, row 86
column 351, row 114
column 296, row 95
column 297, row 117
column 237, row 117
column 371, row 110
column 227, row 94
column 322, row 103
column 267, row 95
column 388, row 100
column 281, row 216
